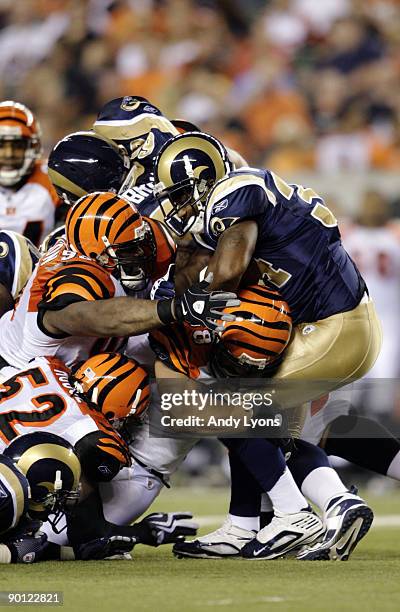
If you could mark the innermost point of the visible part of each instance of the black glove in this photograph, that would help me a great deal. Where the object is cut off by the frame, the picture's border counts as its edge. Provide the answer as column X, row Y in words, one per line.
column 27, row 549
column 103, row 548
column 197, row 306
column 168, row 527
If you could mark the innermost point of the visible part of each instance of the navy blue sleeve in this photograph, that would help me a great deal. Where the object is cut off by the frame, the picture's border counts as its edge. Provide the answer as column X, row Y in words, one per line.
column 245, row 203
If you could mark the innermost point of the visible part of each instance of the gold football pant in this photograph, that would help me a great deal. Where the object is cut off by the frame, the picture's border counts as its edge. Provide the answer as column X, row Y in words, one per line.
column 329, row 354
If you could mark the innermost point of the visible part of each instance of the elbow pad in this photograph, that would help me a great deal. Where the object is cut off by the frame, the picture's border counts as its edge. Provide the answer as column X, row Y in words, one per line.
column 102, row 455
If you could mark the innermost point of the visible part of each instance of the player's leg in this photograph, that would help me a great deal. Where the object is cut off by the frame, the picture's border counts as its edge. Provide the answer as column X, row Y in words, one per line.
column 346, row 516
column 241, row 524
column 334, row 351
column 364, row 442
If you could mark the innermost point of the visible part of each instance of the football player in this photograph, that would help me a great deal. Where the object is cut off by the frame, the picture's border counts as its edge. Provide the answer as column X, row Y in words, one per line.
column 75, row 302
column 79, row 407
column 39, row 476
column 27, row 197
column 259, row 226
column 251, row 347
column 18, row 257
column 136, row 124
column 140, row 127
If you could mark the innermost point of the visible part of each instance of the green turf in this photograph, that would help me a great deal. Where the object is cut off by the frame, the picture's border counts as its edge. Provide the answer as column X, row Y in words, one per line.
column 154, row 580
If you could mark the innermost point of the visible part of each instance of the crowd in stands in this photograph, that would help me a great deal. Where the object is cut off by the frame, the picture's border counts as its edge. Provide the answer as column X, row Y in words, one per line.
column 292, row 84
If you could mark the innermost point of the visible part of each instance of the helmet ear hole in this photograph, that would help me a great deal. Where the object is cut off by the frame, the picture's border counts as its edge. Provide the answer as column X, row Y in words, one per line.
column 110, row 415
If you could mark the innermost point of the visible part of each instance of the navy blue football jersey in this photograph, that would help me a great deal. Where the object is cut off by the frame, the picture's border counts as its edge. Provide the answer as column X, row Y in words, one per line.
column 139, row 185
column 18, row 257
column 299, row 248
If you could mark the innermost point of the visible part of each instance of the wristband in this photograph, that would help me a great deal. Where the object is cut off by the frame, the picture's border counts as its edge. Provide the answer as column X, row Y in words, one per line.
column 165, row 311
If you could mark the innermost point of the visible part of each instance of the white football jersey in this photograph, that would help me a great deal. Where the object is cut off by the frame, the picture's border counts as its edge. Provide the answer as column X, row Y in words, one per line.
column 40, row 398
column 376, row 251
column 30, row 209
column 73, row 278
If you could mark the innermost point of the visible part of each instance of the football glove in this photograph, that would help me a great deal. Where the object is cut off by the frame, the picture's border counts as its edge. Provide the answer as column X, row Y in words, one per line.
column 105, row 548
column 169, row 527
column 164, row 287
column 197, row 306
column 27, row 549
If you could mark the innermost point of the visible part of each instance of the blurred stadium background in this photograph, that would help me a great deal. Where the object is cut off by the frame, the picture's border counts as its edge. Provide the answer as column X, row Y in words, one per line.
column 309, row 88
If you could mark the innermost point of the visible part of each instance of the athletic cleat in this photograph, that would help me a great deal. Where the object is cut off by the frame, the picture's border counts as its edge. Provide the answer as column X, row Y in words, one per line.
column 285, row 533
column 347, row 520
column 226, row 541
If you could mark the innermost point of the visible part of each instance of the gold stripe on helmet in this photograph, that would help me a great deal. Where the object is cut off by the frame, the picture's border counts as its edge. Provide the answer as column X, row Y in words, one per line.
column 25, row 264
column 181, row 145
column 51, row 451
column 13, row 481
column 62, row 182
column 128, row 130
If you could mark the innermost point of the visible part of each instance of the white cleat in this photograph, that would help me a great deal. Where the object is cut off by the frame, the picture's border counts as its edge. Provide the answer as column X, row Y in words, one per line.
column 285, row 533
column 226, row 541
column 347, row 519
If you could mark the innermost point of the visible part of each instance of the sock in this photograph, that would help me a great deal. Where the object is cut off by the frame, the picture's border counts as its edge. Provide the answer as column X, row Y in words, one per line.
column 322, row 484
column 251, row 523
column 285, row 495
column 394, row 468
column 306, row 458
column 263, row 459
column 267, row 512
column 266, row 504
column 362, row 441
column 245, row 491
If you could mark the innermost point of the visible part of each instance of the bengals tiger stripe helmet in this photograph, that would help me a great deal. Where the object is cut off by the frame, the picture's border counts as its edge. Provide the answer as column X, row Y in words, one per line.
column 116, row 385
column 253, row 345
column 20, row 144
column 108, row 229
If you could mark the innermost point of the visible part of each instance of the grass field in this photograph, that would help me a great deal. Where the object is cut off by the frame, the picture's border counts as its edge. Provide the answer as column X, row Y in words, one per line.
column 154, row 580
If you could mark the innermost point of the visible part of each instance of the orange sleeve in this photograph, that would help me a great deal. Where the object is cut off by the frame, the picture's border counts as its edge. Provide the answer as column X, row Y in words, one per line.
column 77, row 282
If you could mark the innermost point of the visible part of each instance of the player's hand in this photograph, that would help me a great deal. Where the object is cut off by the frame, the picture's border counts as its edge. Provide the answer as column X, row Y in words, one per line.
column 164, row 287
column 105, row 548
column 27, row 549
column 197, row 306
column 169, row 527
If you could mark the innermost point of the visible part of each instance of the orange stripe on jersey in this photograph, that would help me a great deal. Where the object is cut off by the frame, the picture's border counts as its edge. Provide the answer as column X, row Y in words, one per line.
column 111, row 450
column 85, row 280
column 182, row 348
column 165, row 247
column 40, row 177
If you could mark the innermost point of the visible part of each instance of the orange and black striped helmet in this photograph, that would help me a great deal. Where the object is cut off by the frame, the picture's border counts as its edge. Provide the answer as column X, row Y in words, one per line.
column 107, row 228
column 19, row 128
column 114, row 384
column 253, row 345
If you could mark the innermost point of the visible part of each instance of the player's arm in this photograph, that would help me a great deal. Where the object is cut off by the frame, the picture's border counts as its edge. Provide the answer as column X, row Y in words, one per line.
column 232, row 256
column 189, row 274
column 6, row 300
column 120, row 316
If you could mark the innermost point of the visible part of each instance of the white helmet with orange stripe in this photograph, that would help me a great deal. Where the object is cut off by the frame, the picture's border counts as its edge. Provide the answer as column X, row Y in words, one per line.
column 20, row 144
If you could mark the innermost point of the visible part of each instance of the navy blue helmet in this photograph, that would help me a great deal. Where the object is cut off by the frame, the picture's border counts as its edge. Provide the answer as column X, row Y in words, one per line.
column 84, row 162
column 52, row 470
column 185, row 170
column 14, row 495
